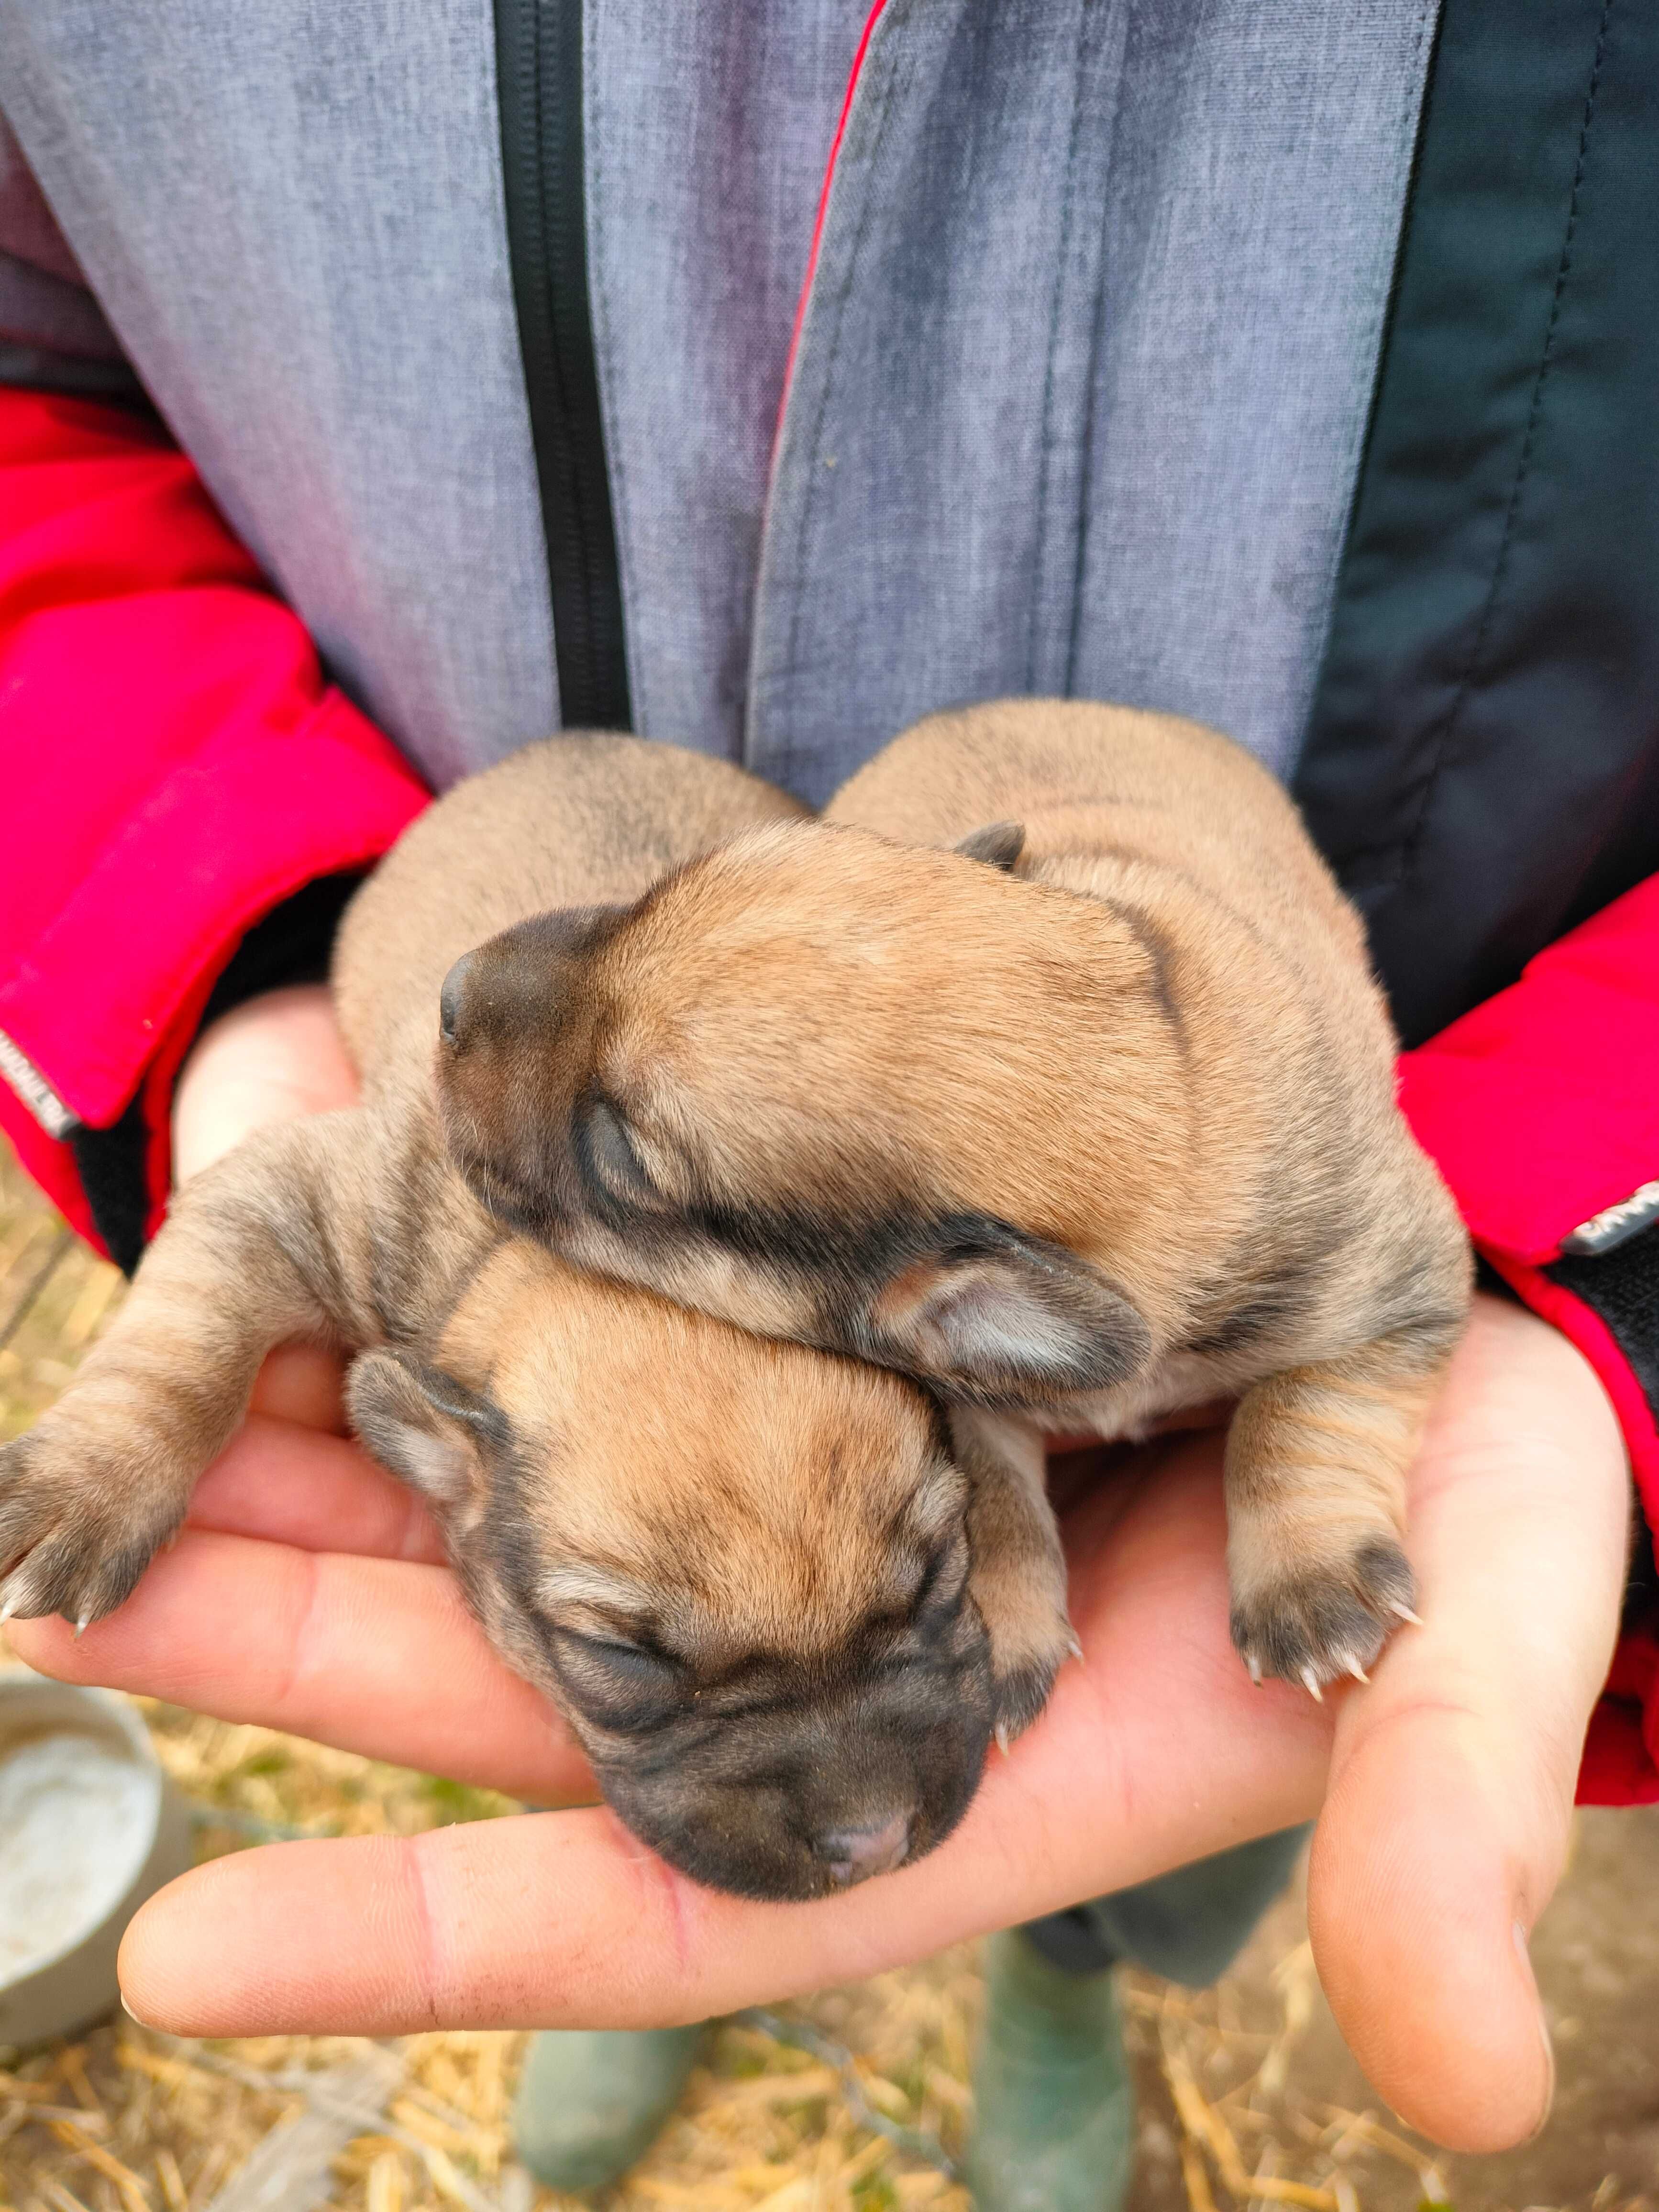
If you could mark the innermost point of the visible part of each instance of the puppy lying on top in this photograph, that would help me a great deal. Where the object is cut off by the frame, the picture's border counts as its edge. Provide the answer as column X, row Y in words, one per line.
column 740, row 1568
column 1086, row 1120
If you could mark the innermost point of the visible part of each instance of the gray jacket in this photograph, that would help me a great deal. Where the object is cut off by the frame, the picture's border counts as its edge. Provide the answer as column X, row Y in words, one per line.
column 1077, row 404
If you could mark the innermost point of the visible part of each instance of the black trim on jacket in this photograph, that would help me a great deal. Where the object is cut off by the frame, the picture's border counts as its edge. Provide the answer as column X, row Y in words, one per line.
column 113, row 1164
column 1482, row 765
column 1621, row 1289
column 538, row 66
column 292, row 943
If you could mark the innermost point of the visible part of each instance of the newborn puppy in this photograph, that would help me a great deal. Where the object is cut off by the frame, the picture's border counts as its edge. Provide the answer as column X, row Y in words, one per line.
column 739, row 1568
column 1089, row 1119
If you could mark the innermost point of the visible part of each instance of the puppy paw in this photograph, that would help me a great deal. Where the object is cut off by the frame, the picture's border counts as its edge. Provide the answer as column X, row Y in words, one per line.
column 1025, row 1656
column 1316, row 1622
column 74, row 1536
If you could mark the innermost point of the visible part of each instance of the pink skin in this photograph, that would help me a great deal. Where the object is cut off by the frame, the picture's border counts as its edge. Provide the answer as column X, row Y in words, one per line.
column 308, row 1595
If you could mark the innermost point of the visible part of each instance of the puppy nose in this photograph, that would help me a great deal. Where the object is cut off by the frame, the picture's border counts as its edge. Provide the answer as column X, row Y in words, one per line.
column 451, row 1000
column 854, row 1854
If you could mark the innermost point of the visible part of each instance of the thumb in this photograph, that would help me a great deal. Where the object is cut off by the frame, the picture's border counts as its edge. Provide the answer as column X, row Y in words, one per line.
column 1446, row 1822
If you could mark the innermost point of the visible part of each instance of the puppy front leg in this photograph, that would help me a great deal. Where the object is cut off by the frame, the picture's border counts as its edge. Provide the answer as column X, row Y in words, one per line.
column 1315, row 1487
column 245, row 1261
column 1017, row 1578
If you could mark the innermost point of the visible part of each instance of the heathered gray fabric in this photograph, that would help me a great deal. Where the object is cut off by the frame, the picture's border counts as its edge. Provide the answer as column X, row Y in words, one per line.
column 1082, row 390
column 1261, row 161
column 708, row 123
column 293, row 216
column 1081, row 394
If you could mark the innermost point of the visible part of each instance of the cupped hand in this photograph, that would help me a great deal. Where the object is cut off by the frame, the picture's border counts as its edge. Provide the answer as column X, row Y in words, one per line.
column 307, row 1595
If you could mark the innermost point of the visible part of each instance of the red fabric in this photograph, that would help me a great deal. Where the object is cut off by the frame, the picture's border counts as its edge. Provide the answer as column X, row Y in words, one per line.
column 175, row 765
column 1542, row 1104
column 1622, row 1750
column 1541, row 1107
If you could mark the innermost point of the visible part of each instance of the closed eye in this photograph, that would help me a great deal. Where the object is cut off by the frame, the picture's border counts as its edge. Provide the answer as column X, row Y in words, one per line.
column 608, row 1160
column 619, row 1686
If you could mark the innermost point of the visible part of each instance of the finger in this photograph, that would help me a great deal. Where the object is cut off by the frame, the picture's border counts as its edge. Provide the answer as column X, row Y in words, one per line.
column 373, row 1656
column 302, row 1383
column 550, row 1920
column 292, row 1485
column 1453, row 1776
column 1157, row 1750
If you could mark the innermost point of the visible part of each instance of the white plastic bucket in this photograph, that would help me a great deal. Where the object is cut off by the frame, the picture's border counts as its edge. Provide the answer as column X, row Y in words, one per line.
column 89, row 1827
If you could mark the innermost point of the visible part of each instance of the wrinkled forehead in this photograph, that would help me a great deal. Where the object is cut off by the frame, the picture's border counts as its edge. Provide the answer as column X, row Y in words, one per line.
column 805, row 890
column 749, row 1479
column 713, row 1570
column 712, row 1588
column 780, row 963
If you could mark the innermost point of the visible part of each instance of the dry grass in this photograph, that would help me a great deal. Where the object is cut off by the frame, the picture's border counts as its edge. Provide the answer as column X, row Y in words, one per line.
column 127, row 2121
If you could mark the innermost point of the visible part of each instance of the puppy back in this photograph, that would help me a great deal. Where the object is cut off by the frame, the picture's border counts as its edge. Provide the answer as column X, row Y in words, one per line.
column 1082, row 775
column 1300, row 1166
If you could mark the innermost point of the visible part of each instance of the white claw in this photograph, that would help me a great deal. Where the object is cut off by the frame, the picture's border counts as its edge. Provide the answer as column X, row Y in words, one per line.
column 1354, row 1667
column 1255, row 1666
column 7, row 1611
column 1003, row 1738
column 81, row 1626
column 1074, row 1645
column 1406, row 1612
column 1310, row 1682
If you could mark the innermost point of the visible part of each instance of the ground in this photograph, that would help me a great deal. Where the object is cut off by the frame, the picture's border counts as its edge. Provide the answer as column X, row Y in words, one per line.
column 1247, row 2097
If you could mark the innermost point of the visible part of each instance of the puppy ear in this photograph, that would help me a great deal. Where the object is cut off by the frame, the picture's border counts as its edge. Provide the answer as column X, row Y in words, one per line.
column 999, row 844
column 424, row 1426
column 1016, row 1318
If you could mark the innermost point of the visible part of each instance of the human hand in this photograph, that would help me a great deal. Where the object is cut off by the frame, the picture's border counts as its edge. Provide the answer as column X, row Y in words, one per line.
column 316, row 1605
column 271, row 1059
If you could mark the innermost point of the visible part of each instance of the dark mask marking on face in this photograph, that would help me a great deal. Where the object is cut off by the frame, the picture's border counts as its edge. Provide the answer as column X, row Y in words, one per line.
column 503, row 991
column 845, row 1266
column 745, row 1776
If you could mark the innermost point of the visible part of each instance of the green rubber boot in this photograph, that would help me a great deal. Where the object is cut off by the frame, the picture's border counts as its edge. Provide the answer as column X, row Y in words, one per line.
column 1054, row 2114
column 590, row 2101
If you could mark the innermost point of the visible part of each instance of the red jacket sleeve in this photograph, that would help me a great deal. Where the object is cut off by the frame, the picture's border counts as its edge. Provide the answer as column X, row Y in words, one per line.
column 1541, row 1107
column 175, row 765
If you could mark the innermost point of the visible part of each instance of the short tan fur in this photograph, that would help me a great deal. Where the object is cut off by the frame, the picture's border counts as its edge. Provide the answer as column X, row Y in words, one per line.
column 739, row 1567
column 1048, row 1069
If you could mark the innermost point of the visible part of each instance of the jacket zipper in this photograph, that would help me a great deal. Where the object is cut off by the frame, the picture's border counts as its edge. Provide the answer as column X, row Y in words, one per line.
column 538, row 65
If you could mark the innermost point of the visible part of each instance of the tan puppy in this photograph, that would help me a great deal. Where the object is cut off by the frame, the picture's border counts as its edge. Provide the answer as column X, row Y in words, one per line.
column 738, row 1567
column 1091, row 1119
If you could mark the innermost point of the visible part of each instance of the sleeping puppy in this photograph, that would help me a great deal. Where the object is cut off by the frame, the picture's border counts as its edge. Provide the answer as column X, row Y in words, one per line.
column 741, row 1569
column 1086, row 1120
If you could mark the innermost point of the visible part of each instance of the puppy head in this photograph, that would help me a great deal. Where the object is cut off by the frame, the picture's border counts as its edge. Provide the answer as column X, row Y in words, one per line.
column 829, row 1088
column 738, row 1568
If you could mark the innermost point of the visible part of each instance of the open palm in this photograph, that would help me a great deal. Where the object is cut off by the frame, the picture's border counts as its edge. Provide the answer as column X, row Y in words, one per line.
column 308, row 1594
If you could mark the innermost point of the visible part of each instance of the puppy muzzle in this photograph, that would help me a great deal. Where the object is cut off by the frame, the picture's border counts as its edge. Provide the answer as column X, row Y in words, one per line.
column 793, row 1805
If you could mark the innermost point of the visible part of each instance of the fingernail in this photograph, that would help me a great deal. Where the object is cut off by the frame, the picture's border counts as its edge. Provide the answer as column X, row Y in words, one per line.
column 1524, row 1947
column 133, row 2014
